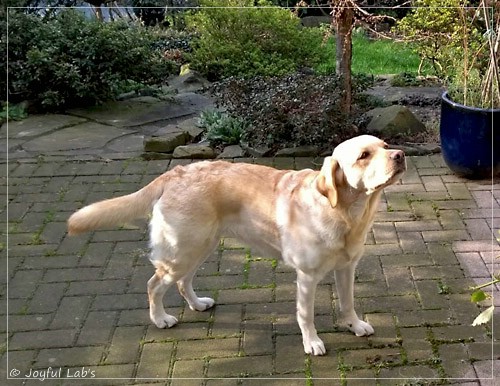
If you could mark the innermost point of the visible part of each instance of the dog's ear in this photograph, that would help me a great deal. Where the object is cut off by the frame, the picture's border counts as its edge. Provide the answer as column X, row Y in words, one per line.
column 326, row 183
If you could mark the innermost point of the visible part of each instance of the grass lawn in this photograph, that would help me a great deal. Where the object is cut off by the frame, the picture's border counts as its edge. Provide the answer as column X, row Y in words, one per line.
column 374, row 57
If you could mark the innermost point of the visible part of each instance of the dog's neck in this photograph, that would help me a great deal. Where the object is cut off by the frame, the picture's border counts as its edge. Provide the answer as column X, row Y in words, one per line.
column 357, row 207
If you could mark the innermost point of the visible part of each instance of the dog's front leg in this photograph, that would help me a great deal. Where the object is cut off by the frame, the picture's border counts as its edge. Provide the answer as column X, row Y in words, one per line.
column 344, row 281
column 306, row 291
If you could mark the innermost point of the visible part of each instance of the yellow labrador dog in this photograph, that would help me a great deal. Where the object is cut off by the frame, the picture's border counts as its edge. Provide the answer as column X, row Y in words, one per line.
column 316, row 221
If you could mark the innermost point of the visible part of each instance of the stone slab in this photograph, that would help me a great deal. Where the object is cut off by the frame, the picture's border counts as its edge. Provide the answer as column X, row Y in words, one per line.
column 88, row 135
column 142, row 112
column 36, row 125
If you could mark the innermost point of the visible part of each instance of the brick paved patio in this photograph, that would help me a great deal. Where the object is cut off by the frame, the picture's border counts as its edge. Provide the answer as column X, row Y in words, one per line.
column 77, row 307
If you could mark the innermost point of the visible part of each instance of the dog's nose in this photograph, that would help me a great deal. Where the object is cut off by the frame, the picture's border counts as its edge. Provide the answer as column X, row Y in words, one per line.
column 397, row 155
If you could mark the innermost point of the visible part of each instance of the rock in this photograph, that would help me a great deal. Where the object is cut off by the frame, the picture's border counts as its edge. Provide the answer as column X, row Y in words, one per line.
column 194, row 152
column 257, row 152
column 428, row 148
column 166, row 143
column 188, row 81
column 299, row 151
column 393, row 120
column 190, row 126
column 232, row 151
column 151, row 156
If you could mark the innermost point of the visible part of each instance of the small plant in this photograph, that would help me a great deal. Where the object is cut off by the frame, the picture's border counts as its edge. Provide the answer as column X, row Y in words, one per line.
column 443, row 289
column 478, row 295
column 222, row 128
column 12, row 112
column 404, row 79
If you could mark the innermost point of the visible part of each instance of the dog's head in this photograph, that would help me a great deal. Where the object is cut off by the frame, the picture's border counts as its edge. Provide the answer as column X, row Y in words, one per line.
column 363, row 164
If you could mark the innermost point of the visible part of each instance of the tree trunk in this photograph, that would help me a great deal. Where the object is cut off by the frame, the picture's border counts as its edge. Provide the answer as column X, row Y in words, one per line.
column 344, row 21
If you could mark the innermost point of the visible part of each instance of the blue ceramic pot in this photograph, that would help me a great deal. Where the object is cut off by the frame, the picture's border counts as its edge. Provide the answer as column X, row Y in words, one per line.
column 470, row 139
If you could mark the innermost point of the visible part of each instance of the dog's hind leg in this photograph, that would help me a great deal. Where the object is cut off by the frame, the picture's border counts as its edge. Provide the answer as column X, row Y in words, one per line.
column 157, row 287
column 185, row 286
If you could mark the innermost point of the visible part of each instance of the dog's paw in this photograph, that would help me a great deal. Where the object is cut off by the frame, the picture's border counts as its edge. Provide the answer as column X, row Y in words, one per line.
column 202, row 304
column 359, row 327
column 314, row 346
column 164, row 321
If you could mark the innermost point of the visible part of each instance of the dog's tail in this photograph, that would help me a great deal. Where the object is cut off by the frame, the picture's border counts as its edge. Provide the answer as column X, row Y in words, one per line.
column 116, row 211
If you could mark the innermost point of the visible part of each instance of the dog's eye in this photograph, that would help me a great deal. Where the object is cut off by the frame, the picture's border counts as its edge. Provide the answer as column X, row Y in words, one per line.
column 364, row 155
column 386, row 146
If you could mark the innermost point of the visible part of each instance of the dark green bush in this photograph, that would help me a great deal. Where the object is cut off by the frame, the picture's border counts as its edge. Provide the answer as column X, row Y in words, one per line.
column 291, row 110
column 70, row 60
column 249, row 40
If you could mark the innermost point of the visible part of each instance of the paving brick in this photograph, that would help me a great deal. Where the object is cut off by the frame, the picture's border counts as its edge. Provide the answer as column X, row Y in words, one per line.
column 42, row 339
column 250, row 295
column 474, row 264
column 389, row 303
column 240, row 366
column 123, row 342
column 385, row 233
column 208, row 348
column 398, row 201
column 488, row 371
column 155, row 359
column 417, row 226
column 411, row 241
column 120, row 302
column 188, row 369
column 415, row 343
column 451, row 220
column 454, row 360
column 484, row 199
column 97, row 287
column 371, row 357
column 478, row 229
column 430, row 294
column 71, row 274
column 433, row 183
column 181, row 331
column 399, row 280
column 97, row 254
column 71, row 312
column 408, row 373
column 24, row 283
column 444, row 272
column 446, row 235
column 257, row 338
column 97, row 328
column 475, row 246
column 416, row 318
column 407, row 260
column 47, row 297
column 227, row 320
column 68, row 357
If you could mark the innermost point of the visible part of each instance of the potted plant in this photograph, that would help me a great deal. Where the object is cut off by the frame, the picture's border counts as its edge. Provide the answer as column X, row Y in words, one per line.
column 465, row 53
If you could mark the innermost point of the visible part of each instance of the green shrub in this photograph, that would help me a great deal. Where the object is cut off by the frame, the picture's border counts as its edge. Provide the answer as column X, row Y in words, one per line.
column 436, row 29
column 70, row 60
column 291, row 110
column 12, row 112
column 222, row 128
column 249, row 40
